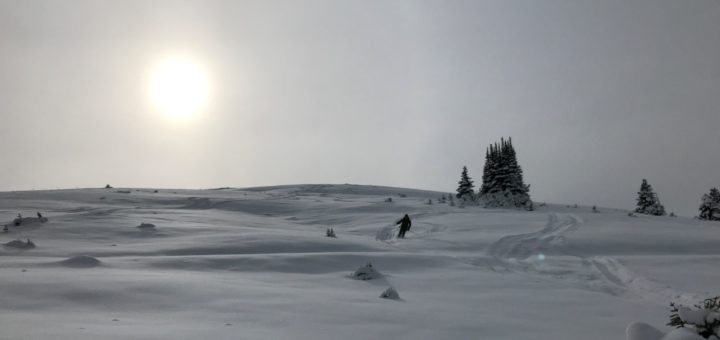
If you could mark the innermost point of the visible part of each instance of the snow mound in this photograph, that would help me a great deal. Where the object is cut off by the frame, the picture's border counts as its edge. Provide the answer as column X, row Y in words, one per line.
column 698, row 317
column 20, row 244
column 366, row 272
column 146, row 226
column 391, row 294
column 81, row 261
column 643, row 331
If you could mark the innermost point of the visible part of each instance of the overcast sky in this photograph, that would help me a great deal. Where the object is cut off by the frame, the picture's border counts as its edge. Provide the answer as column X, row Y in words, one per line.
column 596, row 94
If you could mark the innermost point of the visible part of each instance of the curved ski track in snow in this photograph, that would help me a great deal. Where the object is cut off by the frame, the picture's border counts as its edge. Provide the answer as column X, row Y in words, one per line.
column 524, row 245
column 614, row 272
column 511, row 252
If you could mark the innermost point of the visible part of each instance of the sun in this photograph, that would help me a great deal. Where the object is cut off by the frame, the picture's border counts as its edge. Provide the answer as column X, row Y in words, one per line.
column 179, row 87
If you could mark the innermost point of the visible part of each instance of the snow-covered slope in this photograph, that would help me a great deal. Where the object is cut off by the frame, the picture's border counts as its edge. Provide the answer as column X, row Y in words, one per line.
column 256, row 264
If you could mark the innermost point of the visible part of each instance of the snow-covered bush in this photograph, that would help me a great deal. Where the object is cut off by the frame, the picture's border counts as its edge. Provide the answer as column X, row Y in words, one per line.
column 703, row 320
column 643, row 331
column 330, row 232
column 366, row 272
column 20, row 244
column 391, row 294
column 146, row 226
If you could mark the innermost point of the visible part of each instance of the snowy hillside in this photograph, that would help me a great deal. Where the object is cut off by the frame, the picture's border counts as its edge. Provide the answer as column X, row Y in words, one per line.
column 256, row 264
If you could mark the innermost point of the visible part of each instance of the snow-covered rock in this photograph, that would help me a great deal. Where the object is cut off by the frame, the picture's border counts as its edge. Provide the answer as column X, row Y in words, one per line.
column 366, row 272
column 391, row 294
column 81, row 261
column 682, row 334
column 146, row 226
column 20, row 244
column 642, row 331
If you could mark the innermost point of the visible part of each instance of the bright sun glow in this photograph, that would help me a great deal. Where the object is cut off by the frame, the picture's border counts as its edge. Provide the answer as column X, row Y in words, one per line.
column 179, row 87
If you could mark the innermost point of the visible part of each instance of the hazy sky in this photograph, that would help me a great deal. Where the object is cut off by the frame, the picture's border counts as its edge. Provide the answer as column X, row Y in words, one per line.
column 596, row 94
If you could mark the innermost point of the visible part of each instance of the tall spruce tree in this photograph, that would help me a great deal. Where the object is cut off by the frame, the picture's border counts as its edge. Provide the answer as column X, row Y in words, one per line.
column 710, row 207
column 503, row 184
column 648, row 201
column 466, row 188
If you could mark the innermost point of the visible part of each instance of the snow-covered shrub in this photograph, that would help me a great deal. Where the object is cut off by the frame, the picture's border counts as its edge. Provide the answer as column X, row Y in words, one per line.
column 20, row 244
column 366, row 272
column 388, row 200
column 595, row 209
column 146, row 226
column 108, row 186
column 391, row 294
column 631, row 214
column 643, row 331
column 672, row 214
column 330, row 232
column 704, row 319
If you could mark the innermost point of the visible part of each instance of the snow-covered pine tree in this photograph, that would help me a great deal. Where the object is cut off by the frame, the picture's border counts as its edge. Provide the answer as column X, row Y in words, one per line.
column 466, row 188
column 503, row 184
column 710, row 207
column 648, row 201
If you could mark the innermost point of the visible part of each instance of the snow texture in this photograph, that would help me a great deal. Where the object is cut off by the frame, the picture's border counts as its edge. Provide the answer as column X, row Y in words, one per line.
column 391, row 294
column 254, row 263
column 366, row 272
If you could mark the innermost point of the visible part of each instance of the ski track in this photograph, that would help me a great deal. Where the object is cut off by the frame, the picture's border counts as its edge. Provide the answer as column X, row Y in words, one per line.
column 511, row 254
column 524, row 245
column 617, row 274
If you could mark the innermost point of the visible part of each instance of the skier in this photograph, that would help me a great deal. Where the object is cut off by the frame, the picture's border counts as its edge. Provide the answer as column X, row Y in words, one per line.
column 405, row 225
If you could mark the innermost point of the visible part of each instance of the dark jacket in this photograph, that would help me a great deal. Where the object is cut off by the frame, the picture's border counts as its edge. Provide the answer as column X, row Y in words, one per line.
column 405, row 222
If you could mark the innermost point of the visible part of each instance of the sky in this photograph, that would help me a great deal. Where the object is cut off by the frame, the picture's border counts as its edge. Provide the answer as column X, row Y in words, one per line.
column 597, row 95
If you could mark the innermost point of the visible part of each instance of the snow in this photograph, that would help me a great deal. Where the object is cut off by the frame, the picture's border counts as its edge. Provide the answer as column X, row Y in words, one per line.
column 366, row 272
column 146, row 226
column 390, row 294
column 81, row 261
column 256, row 263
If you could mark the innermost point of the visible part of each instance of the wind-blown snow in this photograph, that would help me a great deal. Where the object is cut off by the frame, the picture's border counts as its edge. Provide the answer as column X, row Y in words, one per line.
column 256, row 264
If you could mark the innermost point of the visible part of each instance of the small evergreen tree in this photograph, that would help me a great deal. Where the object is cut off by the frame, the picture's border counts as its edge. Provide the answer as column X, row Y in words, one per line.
column 710, row 207
column 466, row 188
column 503, row 184
column 648, row 201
